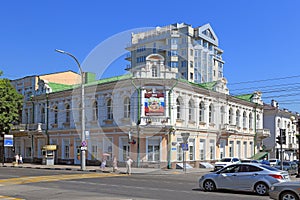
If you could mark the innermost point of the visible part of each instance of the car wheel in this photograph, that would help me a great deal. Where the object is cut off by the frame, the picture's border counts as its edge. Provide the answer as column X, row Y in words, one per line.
column 261, row 188
column 209, row 185
column 288, row 196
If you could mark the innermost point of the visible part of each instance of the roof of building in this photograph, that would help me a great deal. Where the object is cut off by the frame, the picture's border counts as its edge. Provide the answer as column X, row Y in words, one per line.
column 246, row 97
column 57, row 87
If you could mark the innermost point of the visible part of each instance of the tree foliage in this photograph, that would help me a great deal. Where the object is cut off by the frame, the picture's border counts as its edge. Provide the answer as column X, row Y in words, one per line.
column 10, row 105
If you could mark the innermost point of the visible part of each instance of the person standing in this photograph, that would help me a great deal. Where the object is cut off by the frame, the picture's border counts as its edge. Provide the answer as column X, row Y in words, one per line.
column 17, row 158
column 20, row 159
column 128, row 165
column 103, row 164
column 115, row 164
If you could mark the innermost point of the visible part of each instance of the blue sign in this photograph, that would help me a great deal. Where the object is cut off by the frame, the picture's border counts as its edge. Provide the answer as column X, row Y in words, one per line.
column 185, row 146
column 8, row 141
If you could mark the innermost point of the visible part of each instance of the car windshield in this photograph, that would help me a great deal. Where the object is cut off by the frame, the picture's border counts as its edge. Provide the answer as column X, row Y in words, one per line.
column 226, row 160
column 269, row 168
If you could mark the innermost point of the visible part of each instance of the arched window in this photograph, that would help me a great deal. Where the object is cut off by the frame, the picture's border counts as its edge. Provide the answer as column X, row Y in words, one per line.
column 127, row 107
column 55, row 110
column 244, row 119
column 43, row 114
column 250, row 121
column 211, row 114
column 68, row 113
column 109, row 109
column 95, row 111
column 154, row 71
column 191, row 110
column 222, row 111
column 237, row 118
column 230, row 116
column 178, row 109
column 201, row 111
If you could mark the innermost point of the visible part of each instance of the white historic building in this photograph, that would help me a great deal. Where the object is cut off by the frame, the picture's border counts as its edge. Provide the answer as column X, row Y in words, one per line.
column 145, row 115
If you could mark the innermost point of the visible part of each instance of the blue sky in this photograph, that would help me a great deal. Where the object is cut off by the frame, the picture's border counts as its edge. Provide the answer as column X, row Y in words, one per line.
column 260, row 38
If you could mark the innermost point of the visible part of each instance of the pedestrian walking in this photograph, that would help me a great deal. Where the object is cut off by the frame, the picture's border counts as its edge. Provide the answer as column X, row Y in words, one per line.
column 128, row 165
column 20, row 159
column 115, row 164
column 17, row 158
column 103, row 164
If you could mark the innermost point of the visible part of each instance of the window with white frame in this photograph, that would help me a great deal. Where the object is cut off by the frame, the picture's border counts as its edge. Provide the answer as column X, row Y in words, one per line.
column 154, row 71
column 238, row 146
column 222, row 111
column 245, row 150
column 250, row 121
column 94, row 150
column 153, row 149
column 191, row 149
column 201, row 111
column 178, row 110
column 43, row 118
column 251, row 148
column 231, row 149
column 191, row 110
column 237, row 118
column 109, row 107
column 202, row 149
column 55, row 110
column 230, row 116
column 211, row 113
column 66, row 148
column 126, row 107
column 95, row 111
column 107, row 147
column 244, row 119
column 67, row 107
column 212, row 149
column 179, row 149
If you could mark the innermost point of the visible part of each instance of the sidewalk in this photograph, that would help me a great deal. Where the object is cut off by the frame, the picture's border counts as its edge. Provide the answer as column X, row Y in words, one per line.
column 197, row 171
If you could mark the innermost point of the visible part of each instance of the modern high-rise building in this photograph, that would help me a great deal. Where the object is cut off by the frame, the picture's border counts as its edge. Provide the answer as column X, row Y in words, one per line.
column 194, row 51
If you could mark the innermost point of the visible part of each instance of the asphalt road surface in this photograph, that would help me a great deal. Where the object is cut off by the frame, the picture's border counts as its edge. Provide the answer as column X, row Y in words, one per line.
column 31, row 184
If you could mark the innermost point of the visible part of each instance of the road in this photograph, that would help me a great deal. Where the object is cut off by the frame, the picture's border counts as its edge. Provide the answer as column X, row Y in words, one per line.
column 19, row 184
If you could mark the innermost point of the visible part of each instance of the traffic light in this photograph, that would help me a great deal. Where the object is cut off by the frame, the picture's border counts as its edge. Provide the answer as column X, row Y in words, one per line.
column 283, row 136
column 278, row 140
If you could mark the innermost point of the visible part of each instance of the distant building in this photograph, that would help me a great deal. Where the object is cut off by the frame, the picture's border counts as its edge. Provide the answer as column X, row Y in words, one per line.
column 281, row 120
column 194, row 52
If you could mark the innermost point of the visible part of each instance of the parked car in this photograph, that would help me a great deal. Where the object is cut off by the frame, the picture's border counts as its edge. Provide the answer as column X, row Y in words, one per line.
column 285, row 191
column 249, row 161
column 265, row 162
column 244, row 177
column 289, row 166
column 225, row 161
column 274, row 161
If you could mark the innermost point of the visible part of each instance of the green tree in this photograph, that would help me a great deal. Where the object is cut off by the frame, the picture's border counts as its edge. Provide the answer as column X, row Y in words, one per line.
column 10, row 105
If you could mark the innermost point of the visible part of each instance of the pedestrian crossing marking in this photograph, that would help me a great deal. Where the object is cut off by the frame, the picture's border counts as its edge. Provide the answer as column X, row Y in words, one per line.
column 51, row 178
column 9, row 198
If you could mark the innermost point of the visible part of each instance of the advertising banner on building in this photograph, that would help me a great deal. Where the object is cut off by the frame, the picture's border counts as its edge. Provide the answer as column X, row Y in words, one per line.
column 154, row 104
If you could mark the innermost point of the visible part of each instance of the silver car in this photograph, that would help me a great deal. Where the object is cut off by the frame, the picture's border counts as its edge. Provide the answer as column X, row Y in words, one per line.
column 244, row 177
column 285, row 191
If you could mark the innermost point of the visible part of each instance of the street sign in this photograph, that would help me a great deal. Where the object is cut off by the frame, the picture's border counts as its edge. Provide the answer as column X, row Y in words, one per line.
column 185, row 146
column 83, row 148
column 83, row 144
column 8, row 140
column 185, row 137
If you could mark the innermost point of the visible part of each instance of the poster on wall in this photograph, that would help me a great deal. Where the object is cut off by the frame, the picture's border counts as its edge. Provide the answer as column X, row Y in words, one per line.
column 154, row 104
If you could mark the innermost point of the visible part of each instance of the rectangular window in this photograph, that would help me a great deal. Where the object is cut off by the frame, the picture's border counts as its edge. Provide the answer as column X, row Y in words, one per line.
column 231, row 149
column 179, row 149
column 202, row 149
column 212, row 149
column 191, row 149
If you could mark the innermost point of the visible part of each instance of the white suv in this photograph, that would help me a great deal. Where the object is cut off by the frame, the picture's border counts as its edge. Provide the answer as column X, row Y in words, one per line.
column 226, row 161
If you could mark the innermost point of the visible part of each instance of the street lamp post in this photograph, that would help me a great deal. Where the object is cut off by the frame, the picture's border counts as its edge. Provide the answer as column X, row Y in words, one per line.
column 83, row 156
column 298, row 136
